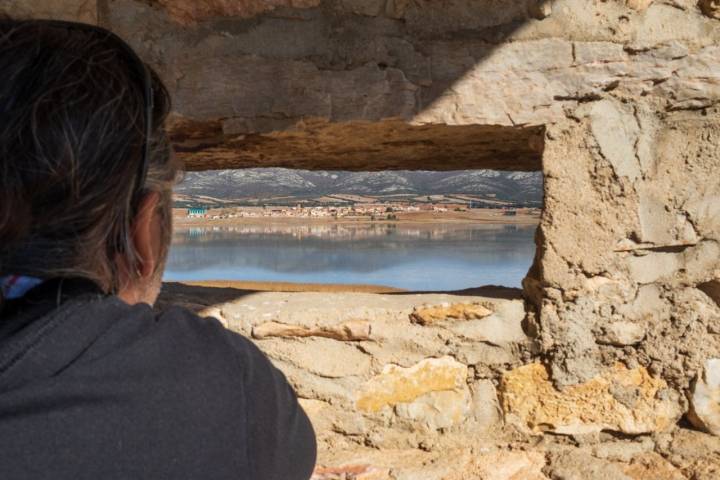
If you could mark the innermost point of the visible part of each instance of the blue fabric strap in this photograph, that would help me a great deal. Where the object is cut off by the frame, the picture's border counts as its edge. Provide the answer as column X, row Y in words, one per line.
column 15, row 286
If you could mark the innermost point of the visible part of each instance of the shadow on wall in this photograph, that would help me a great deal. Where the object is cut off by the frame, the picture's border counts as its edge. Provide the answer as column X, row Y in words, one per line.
column 205, row 295
column 257, row 84
column 712, row 290
column 487, row 291
column 197, row 298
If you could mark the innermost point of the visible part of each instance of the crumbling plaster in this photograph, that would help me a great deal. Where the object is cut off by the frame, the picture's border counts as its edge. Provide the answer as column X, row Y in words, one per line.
column 645, row 247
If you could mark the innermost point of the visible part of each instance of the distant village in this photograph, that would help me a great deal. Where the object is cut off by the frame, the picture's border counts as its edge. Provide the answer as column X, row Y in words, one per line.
column 372, row 211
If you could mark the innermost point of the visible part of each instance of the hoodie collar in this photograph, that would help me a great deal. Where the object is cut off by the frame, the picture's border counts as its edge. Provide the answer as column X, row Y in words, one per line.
column 50, row 327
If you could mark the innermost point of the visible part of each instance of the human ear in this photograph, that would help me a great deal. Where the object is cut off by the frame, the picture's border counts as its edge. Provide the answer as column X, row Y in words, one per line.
column 146, row 235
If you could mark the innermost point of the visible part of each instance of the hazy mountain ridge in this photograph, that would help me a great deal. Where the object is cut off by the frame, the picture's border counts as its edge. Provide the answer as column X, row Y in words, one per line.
column 272, row 182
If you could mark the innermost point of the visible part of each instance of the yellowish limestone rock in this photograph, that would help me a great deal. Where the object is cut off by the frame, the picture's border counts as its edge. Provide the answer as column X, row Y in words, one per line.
column 620, row 399
column 402, row 385
column 427, row 315
column 347, row 331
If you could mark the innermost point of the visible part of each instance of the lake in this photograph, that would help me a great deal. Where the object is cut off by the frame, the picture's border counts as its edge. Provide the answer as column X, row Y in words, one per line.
column 410, row 256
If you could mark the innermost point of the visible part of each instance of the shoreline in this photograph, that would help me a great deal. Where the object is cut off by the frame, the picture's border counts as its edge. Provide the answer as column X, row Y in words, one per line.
column 484, row 218
column 267, row 286
column 207, row 286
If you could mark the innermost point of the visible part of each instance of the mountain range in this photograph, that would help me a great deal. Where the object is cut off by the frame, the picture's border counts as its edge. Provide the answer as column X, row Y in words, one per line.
column 525, row 187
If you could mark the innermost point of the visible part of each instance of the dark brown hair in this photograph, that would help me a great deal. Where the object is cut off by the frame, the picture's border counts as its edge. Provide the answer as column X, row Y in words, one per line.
column 72, row 130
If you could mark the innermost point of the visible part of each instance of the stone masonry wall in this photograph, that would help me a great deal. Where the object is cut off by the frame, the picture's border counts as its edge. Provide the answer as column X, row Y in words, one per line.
column 626, row 93
column 618, row 102
column 384, row 373
column 394, row 84
column 630, row 244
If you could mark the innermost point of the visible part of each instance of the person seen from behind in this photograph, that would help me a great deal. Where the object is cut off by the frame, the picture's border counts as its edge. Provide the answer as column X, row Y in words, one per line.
column 94, row 384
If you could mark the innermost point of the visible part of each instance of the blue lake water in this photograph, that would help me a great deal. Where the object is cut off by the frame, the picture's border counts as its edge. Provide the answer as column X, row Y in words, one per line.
column 409, row 256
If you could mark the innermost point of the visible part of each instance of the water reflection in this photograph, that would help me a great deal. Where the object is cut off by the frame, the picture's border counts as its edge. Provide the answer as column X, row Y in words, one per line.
column 416, row 257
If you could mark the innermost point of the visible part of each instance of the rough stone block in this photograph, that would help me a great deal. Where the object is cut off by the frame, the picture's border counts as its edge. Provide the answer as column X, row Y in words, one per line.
column 654, row 266
column 485, row 405
column 320, row 356
column 623, row 450
column 623, row 400
column 704, row 210
column 351, row 472
column 660, row 24
column 428, row 315
column 319, row 414
column 72, row 10
column 480, row 353
column 659, row 223
column 403, row 385
column 696, row 454
column 347, row 331
column 702, row 261
column 540, row 9
column 598, row 52
column 705, row 398
column 538, row 55
column 616, row 131
column 651, row 466
column 503, row 465
column 337, row 391
column 622, row 333
column 578, row 465
column 188, row 12
column 500, row 328
column 436, row 410
column 648, row 305
column 639, row 4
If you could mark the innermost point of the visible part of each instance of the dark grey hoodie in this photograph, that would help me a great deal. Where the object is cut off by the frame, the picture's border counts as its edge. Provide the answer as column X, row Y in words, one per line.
column 92, row 388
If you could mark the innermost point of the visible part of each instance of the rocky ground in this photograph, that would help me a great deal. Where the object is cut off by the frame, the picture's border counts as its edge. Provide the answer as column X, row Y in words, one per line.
column 406, row 385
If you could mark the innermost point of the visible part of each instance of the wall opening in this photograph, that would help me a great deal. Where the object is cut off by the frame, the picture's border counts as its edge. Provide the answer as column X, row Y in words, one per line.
column 387, row 230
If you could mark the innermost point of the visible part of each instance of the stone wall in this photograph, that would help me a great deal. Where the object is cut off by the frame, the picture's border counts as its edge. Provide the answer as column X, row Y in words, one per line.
column 617, row 102
column 624, row 96
column 392, row 372
column 635, row 289
column 295, row 86
column 448, row 386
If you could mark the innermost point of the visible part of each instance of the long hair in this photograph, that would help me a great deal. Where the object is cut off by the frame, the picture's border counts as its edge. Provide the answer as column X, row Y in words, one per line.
column 71, row 136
